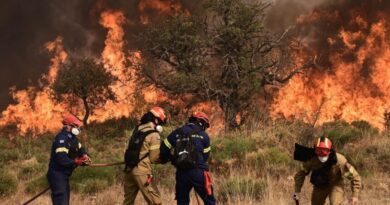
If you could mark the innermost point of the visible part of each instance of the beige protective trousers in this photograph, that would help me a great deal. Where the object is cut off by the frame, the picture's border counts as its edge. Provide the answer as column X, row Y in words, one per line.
column 335, row 194
column 134, row 183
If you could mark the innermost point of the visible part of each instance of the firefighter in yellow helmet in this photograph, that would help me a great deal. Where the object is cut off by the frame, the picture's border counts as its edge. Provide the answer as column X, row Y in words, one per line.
column 328, row 169
column 143, row 151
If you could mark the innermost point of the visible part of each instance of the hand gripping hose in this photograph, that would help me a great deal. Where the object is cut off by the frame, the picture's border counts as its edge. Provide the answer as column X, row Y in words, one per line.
column 91, row 165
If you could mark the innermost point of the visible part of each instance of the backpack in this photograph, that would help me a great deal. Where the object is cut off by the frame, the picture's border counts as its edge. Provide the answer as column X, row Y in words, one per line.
column 321, row 177
column 134, row 148
column 185, row 155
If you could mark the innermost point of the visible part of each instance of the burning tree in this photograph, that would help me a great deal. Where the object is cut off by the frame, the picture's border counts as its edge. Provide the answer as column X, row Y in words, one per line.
column 224, row 54
column 87, row 80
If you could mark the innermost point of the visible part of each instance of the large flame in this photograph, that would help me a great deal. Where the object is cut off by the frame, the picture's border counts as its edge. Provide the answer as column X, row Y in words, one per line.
column 356, row 86
column 35, row 108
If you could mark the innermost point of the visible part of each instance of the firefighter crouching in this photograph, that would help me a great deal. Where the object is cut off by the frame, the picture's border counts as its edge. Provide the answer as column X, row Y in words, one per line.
column 143, row 151
column 190, row 146
column 328, row 169
column 66, row 154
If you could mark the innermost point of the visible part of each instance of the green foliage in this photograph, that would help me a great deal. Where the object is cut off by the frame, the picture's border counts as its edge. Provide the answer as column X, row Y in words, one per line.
column 276, row 156
column 91, row 180
column 242, row 187
column 164, row 175
column 7, row 155
column 365, row 127
column 341, row 132
column 87, row 80
column 31, row 170
column 271, row 160
column 8, row 183
column 225, row 148
column 36, row 185
column 223, row 54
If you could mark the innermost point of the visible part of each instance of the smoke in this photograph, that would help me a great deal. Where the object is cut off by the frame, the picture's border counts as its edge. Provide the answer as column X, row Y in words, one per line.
column 27, row 25
column 284, row 13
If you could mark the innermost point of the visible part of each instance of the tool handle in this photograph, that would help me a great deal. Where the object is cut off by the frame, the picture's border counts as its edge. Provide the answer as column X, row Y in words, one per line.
column 106, row 165
column 36, row 196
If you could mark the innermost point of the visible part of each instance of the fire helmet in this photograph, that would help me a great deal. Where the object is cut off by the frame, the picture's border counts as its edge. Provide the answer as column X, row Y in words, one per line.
column 159, row 113
column 201, row 116
column 72, row 121
column 323, row 146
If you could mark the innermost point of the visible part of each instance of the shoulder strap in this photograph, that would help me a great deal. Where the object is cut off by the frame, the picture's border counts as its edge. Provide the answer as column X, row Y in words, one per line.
column 145, row 134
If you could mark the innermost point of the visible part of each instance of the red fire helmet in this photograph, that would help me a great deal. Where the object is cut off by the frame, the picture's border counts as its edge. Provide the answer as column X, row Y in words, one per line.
column 323, row 146
column 202, row 116
column 159, row 113
column 72, row 121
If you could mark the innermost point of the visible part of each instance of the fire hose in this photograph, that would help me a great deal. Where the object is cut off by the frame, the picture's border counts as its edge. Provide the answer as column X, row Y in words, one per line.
column 91, row 165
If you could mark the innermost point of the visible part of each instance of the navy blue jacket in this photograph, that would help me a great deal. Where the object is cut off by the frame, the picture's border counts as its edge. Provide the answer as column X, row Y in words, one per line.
column 66, row 147
column 202, row 145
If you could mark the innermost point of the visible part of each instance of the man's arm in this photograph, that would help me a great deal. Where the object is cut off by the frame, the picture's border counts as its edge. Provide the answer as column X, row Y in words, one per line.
column 351, row 174
column 82, row 150
column 154, row 148
column 61, row 150
column 165, row 148
column 299, row 177
column 206, row 147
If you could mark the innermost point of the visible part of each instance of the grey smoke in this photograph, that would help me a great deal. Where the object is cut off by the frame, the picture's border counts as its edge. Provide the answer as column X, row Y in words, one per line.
column 25, row 26
column 283, row 13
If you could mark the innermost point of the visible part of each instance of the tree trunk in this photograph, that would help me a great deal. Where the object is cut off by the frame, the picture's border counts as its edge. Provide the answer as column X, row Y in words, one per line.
column 230, row 110
column 87, row 111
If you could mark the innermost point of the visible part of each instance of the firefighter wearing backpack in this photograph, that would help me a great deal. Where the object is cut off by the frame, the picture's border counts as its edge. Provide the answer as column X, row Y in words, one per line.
column 66, row 154
column 191, row 148
column 143, row 151
column 328, row 169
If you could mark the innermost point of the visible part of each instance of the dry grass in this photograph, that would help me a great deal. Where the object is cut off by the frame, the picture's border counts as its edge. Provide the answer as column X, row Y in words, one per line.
column 261, row 169
column 376, row 192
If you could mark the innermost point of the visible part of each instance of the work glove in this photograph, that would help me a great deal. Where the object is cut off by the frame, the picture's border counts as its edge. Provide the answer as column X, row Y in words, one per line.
column 87, row 160
column 296, row 196
column 79, row 161
column 354, row 201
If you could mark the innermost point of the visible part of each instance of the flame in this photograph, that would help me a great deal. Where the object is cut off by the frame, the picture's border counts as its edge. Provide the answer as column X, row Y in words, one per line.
column 35, row 108
column 162, row 7
column 356, row 86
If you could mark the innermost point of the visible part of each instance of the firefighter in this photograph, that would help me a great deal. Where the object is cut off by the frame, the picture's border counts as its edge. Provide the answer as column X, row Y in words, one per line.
column 188, row 149
column 66, row 154
column 138, row 171
column 328, row 169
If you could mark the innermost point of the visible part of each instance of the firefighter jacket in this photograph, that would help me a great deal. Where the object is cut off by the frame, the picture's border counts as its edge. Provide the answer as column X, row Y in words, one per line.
column 66, row 147
column 202, row 145
column 336, row 173
column 150, row 148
